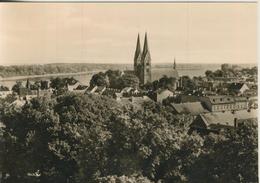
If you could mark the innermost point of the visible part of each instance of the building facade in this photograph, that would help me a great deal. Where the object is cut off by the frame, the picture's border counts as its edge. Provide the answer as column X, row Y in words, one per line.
column 224, row 103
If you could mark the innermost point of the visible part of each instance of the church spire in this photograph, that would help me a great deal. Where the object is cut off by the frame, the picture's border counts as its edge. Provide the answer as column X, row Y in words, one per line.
column 174, row 64
column 146, row 48
column 138, row 48
column 138, row 56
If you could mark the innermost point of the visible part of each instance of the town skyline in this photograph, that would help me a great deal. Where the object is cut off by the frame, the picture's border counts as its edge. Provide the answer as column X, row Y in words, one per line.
column 106, row 33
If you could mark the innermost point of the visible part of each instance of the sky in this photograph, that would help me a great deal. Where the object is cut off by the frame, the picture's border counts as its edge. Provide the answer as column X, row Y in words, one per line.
column 39, row 33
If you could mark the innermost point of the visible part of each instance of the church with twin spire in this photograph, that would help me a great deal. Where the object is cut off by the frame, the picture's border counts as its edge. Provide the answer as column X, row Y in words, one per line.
column 142, row 61
column 142, row 64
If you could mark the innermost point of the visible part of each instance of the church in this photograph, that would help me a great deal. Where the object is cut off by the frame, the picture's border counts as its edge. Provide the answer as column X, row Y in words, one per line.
column 142, row 65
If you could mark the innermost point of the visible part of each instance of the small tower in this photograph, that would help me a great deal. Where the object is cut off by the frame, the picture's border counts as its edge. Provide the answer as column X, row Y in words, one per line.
column 146, row 75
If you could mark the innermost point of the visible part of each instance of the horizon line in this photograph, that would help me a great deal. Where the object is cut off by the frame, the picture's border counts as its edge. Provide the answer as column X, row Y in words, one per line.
column 126, row 63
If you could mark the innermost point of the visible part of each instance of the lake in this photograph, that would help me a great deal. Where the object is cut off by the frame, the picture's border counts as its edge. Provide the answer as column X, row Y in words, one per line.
column 84, row 78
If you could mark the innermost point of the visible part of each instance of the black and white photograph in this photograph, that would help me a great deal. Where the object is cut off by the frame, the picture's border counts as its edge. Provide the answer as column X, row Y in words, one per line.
column 128, row 92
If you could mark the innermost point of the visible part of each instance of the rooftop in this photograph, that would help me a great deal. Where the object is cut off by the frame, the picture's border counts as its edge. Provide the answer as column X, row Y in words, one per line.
column 227, row 118
column 193, row 108
column 220, row 99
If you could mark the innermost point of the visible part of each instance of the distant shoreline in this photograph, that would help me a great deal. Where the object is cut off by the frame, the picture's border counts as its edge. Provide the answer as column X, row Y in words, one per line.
column 49, row 75
column 180, row 67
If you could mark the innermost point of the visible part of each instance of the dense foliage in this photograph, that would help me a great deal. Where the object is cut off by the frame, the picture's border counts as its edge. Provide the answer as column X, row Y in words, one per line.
column 114, row 79
column 228, row 70
column 78, row 138
column 165, row 82
column 59, row 85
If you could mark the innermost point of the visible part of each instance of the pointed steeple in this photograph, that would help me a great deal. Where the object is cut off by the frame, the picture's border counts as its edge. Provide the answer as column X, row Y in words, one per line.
column 146, row 52
column 146, row 48
column 174, row 64
column 138, row 48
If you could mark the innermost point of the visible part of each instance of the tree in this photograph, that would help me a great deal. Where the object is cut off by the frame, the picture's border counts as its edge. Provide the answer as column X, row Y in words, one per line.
column 70, row 81
column 129, row 80
column 4, row 88
column 35, row 86
column 69, row 138
column 46, row 135
column 44, row 84
column 57, row 83
column 226, row 67
column 167, row 83
column 60, row 84
column 209, row 73
column 188, row 84
column 230, row 156
column 99, row 79
column 17, row 86
column 219, row 73
column 114, row 76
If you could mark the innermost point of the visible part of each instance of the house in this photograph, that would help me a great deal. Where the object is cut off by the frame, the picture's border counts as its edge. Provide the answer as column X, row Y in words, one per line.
column 139, row 101
column 91, row 89
column 100, row 90
column 80, row 89
column 252, row 102
column 18, row 103
column 238, row 88
column 4, row 91
column 130, row 91
column 241, row 103
column 160, row 94
column 226, row 79
column 111, row 92
column 223, row 103
column 73, row 86
column 117, row 96
column 127, row 90
column 215, row 121
column 136, row 102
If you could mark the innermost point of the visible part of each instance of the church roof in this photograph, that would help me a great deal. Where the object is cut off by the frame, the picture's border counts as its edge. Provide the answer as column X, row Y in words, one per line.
column 158, row 73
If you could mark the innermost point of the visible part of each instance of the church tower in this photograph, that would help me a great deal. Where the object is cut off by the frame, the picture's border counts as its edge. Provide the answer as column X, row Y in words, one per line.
column 146, row 75
column 142, row 61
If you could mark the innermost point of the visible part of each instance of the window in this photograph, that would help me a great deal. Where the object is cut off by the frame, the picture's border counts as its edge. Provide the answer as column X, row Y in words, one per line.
column 147, row 70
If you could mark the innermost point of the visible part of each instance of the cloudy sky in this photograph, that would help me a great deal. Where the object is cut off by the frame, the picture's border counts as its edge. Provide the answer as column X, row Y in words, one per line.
column 37, row 33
